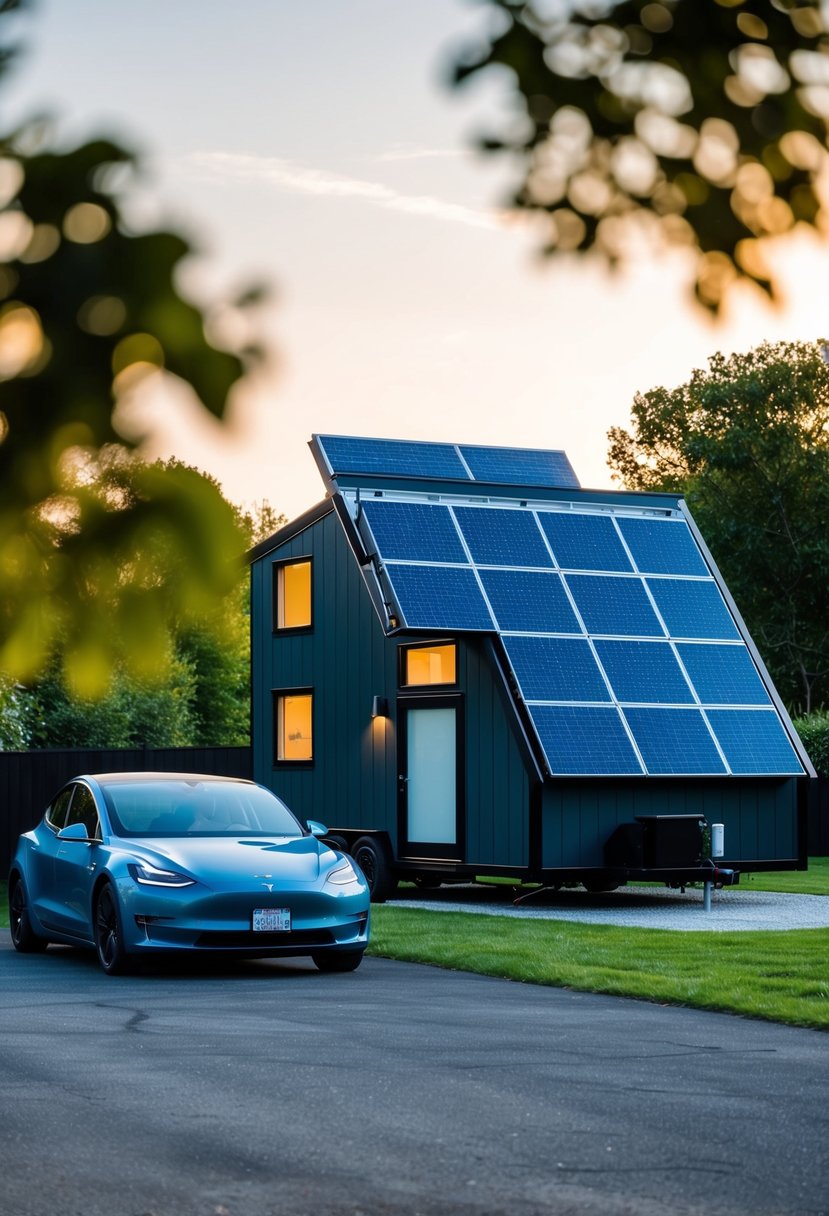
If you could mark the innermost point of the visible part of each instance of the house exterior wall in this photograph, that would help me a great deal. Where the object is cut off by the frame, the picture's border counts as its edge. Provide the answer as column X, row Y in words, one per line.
column 760, row 816
column 345, row 658
column 510, row 821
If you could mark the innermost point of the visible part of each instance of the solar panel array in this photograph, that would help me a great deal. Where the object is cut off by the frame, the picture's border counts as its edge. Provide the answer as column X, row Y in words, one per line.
column 619, row 640
column 351, row 455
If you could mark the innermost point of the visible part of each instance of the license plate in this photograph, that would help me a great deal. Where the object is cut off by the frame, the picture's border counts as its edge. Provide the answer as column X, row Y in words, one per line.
column 271, row 920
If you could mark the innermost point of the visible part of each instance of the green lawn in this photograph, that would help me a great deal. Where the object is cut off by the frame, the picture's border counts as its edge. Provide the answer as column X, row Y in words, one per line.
column 782, row 977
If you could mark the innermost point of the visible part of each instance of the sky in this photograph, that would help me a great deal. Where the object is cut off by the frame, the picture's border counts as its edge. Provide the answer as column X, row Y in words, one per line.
column 316, row 148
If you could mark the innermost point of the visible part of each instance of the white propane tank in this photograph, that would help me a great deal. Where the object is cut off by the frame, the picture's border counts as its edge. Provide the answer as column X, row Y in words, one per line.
column 717, row 840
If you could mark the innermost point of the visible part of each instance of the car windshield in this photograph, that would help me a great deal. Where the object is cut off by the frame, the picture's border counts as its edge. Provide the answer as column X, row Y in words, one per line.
column 197, row 808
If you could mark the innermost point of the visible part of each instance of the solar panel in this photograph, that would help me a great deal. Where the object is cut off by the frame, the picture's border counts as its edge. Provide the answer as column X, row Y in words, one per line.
column 692, row 609
column 674, row 741
column 520, row 466
column 584, row 740
column 643, row 672
column 555, row 669
column 614, row 605
column 502, row 538
column 529, row 601
column 662, row 546
column 413, row 531
column 754, row 741
column 723, row 675
column 391, row 457
column 439, row 597
column 603, row 652
column 351, row 455
column 584, row 542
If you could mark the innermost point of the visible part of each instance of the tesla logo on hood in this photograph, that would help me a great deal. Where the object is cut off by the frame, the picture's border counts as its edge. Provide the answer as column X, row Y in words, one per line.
column 267, row 885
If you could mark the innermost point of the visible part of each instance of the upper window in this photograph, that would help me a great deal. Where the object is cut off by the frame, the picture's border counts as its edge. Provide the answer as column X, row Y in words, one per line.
column 294, row 726
column 292, row 595
column 423, row 665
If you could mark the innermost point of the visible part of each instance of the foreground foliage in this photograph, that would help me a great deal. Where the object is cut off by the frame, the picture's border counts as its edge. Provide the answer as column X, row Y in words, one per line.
column 700, row 123
column 100, row 556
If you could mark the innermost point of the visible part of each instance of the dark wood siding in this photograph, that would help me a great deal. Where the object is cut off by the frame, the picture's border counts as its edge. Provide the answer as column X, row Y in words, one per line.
column 760, row 817
column 347, row 660
column 497, row 783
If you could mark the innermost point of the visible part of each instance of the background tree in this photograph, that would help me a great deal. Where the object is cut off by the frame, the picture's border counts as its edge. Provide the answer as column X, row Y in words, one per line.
column 747, row 443
column 102, row 562
column 702, row 123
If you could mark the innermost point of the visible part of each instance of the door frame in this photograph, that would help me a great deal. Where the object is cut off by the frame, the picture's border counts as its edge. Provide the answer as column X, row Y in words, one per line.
column 420, row 850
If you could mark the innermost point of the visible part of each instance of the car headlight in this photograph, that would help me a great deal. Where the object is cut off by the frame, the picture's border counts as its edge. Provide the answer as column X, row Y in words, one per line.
column 147, row 875
column 343, row 874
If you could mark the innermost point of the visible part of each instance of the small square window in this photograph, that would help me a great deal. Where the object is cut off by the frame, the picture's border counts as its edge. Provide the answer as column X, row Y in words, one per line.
column 423, row 665
column 294, row 713
column 292, row 595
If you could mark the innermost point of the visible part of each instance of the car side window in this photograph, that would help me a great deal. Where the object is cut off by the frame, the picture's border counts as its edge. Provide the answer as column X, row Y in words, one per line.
column 56, row 811
column 83, row 810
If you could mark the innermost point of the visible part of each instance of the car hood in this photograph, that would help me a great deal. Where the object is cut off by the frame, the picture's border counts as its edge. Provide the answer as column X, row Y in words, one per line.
column 224, row 860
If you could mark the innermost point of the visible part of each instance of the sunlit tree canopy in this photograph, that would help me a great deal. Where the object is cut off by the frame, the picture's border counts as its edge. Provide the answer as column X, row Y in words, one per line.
column 746, row 442
column 699, row 124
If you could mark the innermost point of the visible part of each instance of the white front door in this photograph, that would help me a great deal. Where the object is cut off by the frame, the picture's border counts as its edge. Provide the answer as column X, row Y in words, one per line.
column 430, row 776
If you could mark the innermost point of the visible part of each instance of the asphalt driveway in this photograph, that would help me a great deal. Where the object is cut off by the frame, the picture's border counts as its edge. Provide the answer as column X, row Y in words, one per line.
column 270, row 1089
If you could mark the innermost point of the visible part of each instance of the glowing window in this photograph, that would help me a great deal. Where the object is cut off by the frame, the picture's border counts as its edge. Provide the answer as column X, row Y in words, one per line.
column 430, row 664
column 294, row 726
column 292, row 594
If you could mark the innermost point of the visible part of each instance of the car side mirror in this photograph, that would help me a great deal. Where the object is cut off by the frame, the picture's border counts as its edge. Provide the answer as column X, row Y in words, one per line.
column 316, row 828
column 74, row 831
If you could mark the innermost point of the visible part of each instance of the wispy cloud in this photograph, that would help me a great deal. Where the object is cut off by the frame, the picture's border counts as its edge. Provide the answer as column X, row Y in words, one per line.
column 421, row 154
column 300, row 179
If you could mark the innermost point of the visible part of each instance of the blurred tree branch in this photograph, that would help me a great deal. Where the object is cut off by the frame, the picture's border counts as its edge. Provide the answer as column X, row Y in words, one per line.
column 701, row 124
column 99, row 554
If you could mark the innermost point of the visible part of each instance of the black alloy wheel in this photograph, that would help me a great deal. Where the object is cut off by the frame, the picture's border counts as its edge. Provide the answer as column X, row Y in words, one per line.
column 109, row 942
column 24, row 937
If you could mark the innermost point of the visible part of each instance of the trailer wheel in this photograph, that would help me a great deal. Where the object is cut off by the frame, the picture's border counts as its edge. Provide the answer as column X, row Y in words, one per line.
column 371, row 858
column 337, row 842
column 598, row 886
column 427, row 882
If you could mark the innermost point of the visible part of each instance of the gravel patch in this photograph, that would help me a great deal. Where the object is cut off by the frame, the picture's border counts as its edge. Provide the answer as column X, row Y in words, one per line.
column 635, row 907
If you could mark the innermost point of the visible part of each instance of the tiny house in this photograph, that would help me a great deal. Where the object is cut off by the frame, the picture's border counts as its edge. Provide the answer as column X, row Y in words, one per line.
column 465, row 664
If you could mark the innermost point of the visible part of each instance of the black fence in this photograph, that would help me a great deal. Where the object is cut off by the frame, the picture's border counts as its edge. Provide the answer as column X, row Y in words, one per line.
column 817, row 836
column 29, row 780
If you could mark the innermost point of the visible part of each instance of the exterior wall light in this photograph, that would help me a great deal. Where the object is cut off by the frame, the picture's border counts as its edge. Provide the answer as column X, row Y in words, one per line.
column 379, row 707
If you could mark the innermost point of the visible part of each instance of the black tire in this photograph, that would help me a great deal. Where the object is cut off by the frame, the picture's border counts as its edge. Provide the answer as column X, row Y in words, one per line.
column 599, row 886
column 24, row 938
column 337, row 842
column 109, row 939
column 346, row 960
column 371, row 858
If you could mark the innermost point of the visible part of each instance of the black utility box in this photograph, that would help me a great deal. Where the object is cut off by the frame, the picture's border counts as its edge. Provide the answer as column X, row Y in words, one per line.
column 671, row 840
column 625, row 847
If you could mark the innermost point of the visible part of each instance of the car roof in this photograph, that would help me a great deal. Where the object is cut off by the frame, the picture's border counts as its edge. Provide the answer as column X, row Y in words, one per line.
column 126, row 778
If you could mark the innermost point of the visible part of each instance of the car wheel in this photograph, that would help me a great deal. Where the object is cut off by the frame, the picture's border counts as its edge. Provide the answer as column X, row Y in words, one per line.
column 24, row 937
column 109, row 941
column 341, row 961
column 371, row 858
